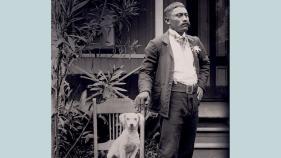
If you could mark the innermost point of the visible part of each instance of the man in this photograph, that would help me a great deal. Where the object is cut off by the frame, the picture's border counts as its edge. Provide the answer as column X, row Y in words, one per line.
column 172, row 79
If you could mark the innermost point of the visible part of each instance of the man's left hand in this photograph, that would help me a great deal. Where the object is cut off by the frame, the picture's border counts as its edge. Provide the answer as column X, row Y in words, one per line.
column 199, row 93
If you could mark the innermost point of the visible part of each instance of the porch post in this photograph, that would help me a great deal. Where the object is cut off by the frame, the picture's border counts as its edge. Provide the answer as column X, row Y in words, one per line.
column 158, row 17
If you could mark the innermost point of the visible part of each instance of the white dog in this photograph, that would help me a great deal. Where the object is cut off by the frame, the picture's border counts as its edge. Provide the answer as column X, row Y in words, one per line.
column 128, row 143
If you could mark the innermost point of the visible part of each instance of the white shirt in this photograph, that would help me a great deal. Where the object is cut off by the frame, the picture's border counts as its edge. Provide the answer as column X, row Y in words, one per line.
column 184, row 70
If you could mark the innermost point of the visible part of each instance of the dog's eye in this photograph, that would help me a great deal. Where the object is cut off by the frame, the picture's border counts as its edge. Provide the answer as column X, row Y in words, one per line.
column 135, row 119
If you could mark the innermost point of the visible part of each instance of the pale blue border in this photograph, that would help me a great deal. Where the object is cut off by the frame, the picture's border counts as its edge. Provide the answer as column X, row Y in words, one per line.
column 255, row 79
column 25, row 33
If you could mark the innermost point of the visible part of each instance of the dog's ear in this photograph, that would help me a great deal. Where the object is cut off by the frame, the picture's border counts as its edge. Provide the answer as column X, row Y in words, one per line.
column 122, row 119
column 141, row 119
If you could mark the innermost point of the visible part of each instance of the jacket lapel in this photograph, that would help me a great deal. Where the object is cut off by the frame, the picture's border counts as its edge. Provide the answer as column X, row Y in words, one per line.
column 166, row 41
column 192, row 44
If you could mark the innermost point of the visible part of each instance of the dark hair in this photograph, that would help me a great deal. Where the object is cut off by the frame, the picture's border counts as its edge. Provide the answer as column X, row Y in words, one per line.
column 172, row 6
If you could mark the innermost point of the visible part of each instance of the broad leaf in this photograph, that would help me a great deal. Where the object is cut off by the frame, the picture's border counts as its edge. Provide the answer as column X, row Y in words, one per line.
column 88, row 137
column 119, row 89
column 95, row 89
column 83, row 98
column 96, row 94
column 59, row 42
column 99, row 84
column 71, row 43
column 116, row 75
column 79, row 6
column 102, row 76
column 117, row 83
column 120, row 94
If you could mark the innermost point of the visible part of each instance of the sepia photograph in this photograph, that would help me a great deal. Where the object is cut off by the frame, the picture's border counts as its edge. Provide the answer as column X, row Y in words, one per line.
column 140, row 78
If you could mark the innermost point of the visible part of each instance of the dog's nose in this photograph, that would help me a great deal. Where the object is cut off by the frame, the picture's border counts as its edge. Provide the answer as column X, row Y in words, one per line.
column 131, row 125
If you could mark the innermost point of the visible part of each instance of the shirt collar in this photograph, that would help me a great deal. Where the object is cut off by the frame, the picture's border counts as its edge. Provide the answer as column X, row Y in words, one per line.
column 174, row 34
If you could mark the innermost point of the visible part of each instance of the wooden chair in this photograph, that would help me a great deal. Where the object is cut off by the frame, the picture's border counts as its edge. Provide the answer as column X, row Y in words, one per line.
column 113, row 108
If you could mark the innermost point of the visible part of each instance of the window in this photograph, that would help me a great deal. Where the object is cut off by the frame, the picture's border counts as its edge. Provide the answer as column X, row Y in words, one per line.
column 129, row 36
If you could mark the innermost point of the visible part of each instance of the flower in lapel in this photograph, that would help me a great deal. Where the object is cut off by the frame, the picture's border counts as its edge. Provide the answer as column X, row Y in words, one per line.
column 196, row 49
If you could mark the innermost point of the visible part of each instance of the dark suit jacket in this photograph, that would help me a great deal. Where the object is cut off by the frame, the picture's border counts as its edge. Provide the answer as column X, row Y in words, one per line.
column 156, row 73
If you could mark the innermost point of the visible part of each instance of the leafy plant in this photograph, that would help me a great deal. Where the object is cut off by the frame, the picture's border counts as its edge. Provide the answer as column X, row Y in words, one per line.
column 107, row 85
column 74, row 130
column 77, row 24
column 66, row 15
column 124, row 11
column 151, row 148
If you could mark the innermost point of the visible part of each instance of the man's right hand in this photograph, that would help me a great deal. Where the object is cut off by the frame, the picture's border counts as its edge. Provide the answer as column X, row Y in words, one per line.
column 142, row 100
column 152, row 114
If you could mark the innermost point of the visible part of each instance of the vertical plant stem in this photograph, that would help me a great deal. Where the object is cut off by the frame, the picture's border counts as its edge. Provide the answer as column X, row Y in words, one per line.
column 57, row 101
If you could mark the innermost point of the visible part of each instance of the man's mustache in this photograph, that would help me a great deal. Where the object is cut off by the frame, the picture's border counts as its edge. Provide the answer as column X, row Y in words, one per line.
column 186, row 23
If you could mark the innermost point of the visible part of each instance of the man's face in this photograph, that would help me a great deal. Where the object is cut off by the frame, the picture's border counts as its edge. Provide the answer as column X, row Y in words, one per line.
column 178, row 20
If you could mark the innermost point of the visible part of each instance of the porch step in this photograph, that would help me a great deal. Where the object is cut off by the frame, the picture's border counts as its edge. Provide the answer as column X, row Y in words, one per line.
column 211, row 146
column 212, row 129
column 212, row 141
column 211, row 110
column 211, row 153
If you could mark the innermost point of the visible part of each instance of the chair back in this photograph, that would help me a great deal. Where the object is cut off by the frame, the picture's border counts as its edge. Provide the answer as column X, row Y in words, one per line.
column 112, row 108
